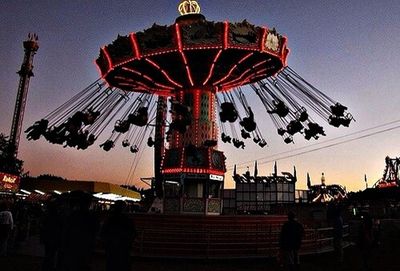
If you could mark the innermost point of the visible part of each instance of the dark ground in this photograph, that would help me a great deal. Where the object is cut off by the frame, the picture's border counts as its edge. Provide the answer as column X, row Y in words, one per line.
column 385, row 257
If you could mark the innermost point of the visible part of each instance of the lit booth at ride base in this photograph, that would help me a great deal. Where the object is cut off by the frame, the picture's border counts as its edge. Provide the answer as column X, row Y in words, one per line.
column 193, row 181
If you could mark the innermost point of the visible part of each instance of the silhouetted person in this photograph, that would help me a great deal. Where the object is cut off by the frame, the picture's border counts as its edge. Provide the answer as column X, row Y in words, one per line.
column 337, row 224
column 22, row 221
column 290, row 241
column 118, row 233
column 366, row 240
column 377, row 232
column 6, row 226
column 79, row 234
column 50, row 234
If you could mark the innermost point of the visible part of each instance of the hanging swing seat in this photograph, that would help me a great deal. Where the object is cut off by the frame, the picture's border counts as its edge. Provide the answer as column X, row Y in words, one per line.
column 139, row 117
column 107, row 145
column 122, row 126
column 314, row 129
column 37, row 129
column 244, row 134
column 225, row 138
column 228, row 112
column 338, row 109
column 280, row 108
column 294, row 127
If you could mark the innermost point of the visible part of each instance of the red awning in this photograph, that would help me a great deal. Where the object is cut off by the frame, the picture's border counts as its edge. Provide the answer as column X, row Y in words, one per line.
column 36, row 197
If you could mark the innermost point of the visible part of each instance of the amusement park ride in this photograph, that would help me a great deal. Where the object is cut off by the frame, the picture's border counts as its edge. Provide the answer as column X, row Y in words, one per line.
column 25, row 73
column 173, row 84
column 391, row 174
column 320, row 193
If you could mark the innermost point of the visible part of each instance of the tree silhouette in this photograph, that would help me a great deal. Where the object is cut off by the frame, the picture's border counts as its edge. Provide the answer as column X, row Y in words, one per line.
column 9, row 163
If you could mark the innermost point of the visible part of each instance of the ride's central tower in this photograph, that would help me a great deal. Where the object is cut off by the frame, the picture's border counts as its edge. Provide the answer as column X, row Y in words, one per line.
column 192, row 168
column 193, row 111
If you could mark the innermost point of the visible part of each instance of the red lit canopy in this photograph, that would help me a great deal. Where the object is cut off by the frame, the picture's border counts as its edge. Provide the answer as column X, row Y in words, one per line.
column 194, row 53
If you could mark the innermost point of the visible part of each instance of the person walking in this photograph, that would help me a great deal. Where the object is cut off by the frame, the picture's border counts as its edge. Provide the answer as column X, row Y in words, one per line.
column 118, row 233
column 51, row 231
column 335, row 218
column 290, row 242
column 6, row 226
column 78, row 236
column 366, row 241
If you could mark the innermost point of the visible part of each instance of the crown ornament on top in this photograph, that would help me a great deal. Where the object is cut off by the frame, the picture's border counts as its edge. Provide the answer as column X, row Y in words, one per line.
column 189, row 7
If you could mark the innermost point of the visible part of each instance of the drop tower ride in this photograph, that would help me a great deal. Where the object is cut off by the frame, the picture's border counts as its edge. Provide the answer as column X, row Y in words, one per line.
column 25, row 73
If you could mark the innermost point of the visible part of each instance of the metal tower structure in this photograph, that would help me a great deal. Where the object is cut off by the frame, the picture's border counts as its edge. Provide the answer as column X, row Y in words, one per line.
column 159, row 147
column 391, row 174
column 30, row 46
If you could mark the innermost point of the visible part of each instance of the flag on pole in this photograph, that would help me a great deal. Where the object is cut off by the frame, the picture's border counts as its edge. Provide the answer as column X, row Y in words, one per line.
column 308, row 181
column 294, row 173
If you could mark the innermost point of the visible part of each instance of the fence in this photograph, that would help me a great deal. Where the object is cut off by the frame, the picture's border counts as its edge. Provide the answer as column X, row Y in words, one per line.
column 247, row 241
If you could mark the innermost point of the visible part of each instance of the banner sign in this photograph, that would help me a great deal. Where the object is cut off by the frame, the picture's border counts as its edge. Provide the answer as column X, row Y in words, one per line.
column 9, row 182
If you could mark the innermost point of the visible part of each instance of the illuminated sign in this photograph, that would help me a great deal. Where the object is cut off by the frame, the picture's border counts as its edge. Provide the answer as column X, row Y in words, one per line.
column 189, row 7
column 216, row 177
column 9, row 181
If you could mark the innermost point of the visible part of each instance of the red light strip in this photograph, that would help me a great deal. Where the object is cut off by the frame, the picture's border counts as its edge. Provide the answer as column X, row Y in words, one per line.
column 163, row 86
column 133, row 87
column 209, row 158
column 233, row 84
column 147, row 77
column 264, row 36
column 245, row 72
column 125, row 79
column 226, row 33
column 261, row 63
column 193, row 170
column 143, row 86
column 211, row 113
column 135, row 44
column 180, row 48
column 284, row 51
column 132, row 71
column 196, row 112
column 103, row 75
column 189, row 75
column 212, row 67
column 109, row 61
column 136, row 86
column 164, row 73
column 233, row 68
column 178, row 37
column 182, row 156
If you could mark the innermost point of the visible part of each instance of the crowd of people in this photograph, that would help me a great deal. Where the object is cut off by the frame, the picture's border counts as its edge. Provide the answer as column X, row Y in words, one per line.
column 367, row 238
column 72, row 227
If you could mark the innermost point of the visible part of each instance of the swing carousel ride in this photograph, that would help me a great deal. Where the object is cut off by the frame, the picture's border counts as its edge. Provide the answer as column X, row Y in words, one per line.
column 178, row 85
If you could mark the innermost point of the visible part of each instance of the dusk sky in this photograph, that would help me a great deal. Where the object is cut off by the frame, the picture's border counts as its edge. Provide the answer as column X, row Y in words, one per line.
column 348, row 49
